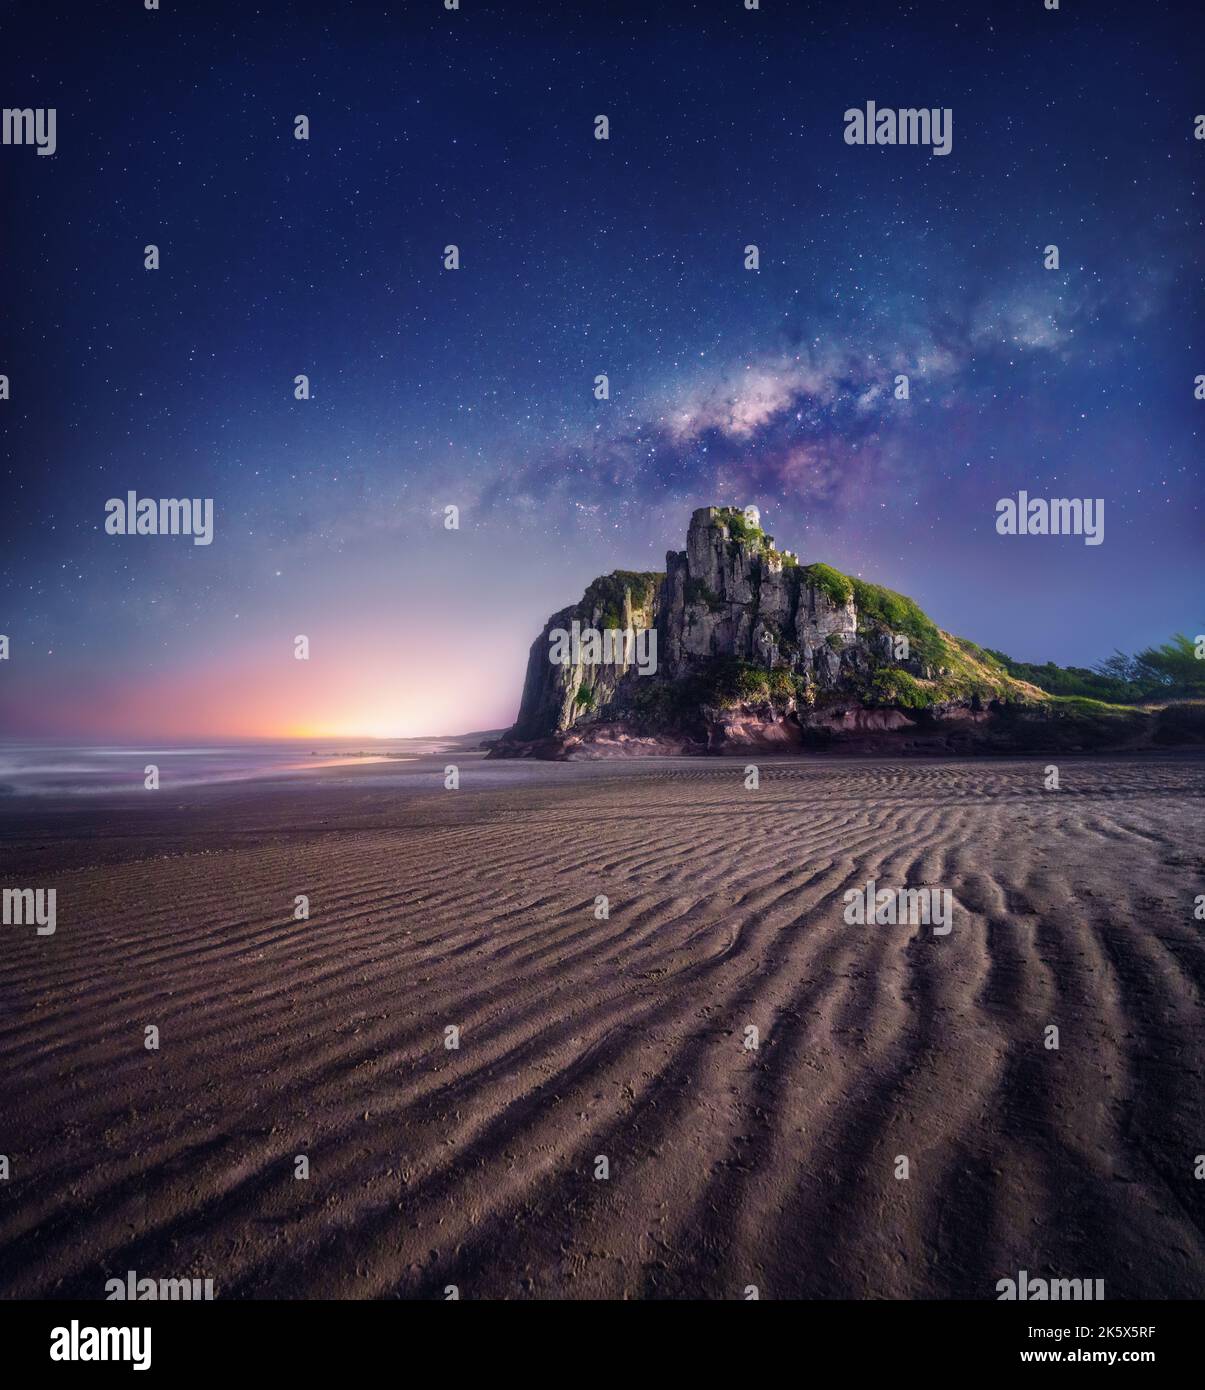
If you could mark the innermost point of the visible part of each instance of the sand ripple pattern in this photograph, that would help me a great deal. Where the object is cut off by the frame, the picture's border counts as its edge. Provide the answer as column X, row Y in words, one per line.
column 621, row 1037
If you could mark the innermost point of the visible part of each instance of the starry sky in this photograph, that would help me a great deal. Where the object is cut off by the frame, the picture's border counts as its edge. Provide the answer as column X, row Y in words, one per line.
column 475, row 387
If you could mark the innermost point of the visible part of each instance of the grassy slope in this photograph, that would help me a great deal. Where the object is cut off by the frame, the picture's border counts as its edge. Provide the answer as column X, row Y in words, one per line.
column 956, row 669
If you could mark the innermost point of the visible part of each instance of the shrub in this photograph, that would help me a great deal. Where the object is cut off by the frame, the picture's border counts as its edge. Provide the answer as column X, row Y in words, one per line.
column 832, row 582
column 897, row 687
column 899, row 614
column 740, row 528
column 1167, row 671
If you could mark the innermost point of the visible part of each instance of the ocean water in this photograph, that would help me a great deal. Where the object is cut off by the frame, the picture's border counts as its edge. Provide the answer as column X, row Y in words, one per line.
column 66, row 769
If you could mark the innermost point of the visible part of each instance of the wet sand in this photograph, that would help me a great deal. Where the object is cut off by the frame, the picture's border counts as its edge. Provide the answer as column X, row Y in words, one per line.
column 622, row 1037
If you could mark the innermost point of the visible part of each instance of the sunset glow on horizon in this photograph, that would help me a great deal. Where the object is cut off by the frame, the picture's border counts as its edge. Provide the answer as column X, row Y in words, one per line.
column 339, row 693
column 476, row 388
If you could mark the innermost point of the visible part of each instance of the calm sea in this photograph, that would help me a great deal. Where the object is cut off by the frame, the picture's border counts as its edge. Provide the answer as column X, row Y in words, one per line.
column 65, row 769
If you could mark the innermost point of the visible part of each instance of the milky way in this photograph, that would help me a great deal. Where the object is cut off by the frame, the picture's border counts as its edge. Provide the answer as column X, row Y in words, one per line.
column 624, row 257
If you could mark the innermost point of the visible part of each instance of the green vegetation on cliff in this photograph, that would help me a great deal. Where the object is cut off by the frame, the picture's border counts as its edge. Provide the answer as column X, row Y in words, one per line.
column 895, row 687
column 1042, row 706
column 953, row 669
column 836, row 586
column 728, row 682
column 900, row 616
column 1170, row 671
column 607, row 592
column 721, row 683
column 740, row 528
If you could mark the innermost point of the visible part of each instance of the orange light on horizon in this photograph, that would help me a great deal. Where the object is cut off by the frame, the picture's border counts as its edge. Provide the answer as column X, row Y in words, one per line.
column 259, row 691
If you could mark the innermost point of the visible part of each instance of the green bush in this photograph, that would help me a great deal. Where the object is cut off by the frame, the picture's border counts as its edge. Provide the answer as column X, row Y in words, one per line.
column 1168, row 671
column 740, row 528
column 899, row 614
column 893, row 686
column 726, row 681
column 836, row 585
column 607, row 593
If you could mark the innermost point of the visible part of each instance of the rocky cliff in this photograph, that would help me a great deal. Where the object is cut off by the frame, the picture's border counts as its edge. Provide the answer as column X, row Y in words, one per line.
column 754, row 649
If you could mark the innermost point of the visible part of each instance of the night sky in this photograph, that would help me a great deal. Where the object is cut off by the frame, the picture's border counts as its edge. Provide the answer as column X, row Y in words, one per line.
column 475, row 387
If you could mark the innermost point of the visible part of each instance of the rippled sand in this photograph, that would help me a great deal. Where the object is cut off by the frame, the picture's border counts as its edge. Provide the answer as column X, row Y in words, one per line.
column 623, row 1037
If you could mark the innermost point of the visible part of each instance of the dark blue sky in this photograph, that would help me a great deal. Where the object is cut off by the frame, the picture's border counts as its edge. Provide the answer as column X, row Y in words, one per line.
column 475, row 387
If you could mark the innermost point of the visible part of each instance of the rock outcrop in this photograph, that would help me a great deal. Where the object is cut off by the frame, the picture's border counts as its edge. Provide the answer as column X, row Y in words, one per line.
column 754, row 650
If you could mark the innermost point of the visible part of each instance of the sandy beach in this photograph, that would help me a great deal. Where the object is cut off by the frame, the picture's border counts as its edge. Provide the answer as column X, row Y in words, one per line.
column 622, row 1036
